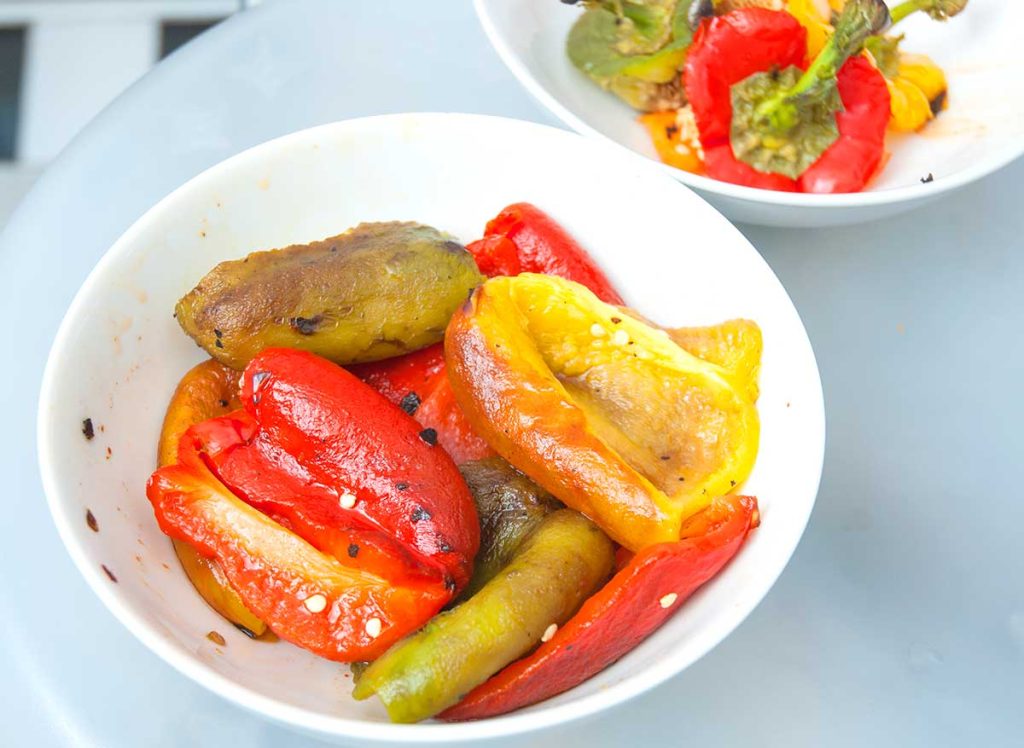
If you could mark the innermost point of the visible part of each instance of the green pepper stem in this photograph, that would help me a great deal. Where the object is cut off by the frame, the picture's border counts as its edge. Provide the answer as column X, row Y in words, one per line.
column 859, row 20
column 940, row 10
column 904, row 9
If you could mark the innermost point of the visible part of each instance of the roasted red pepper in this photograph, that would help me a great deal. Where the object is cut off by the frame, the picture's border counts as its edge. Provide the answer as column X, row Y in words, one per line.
column 731, row 48
column 525, row 239
column 418, row 384
column 639, row 599
column 726, row 50
column 851, row 161
column 333, row 514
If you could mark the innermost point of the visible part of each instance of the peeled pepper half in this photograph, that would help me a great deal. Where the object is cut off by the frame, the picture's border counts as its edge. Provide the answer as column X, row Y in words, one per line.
column 601, row 409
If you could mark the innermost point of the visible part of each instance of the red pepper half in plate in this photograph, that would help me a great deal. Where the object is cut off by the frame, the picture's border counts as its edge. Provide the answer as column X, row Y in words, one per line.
column 853, row 159
column 726, row 50
column 333, row 514
column 638, row 599
column 536, row 243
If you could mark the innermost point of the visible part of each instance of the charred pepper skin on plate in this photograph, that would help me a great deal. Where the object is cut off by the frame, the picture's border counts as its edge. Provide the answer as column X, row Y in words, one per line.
column 557, row 567
column 378, row 290
column 611, row 417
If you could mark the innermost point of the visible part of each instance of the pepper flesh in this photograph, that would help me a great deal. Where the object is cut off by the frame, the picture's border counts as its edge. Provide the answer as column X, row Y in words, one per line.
column 565, row 559
column 510, row 507
column 418, row 383
column 542, row 245
column 207, row 390
column 635, row 603
column 349, row 480
column 600, row 409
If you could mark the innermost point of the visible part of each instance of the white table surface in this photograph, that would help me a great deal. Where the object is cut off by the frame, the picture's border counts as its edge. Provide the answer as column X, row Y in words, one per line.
column 900, row 620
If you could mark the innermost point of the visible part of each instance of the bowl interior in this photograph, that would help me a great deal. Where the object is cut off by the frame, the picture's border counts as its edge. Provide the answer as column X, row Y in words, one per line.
column 982, row 129
column 119, row 354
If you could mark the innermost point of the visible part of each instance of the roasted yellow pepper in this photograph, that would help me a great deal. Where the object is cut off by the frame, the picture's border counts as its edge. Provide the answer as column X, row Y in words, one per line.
column 601, row 409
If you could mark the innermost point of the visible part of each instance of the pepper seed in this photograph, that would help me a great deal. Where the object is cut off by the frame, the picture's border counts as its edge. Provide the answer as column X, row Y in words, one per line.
column 347, row 500
column 315, row 603
column 668, row 600
column 620, row 337
column 549, row 633
column 373, row 627
column 597, row 331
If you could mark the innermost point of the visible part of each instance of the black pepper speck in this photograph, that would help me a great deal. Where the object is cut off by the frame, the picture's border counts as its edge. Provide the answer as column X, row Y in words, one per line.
column 429, row 436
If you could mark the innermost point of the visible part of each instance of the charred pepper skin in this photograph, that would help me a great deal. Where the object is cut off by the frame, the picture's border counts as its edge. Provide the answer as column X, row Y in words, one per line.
column 561, row 563
column 635, row 603
column 376, row 291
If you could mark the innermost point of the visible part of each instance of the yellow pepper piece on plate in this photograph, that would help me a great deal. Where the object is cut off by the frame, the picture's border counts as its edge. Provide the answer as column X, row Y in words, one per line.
column 603, row 410
column 918, row 93
column 811, row 18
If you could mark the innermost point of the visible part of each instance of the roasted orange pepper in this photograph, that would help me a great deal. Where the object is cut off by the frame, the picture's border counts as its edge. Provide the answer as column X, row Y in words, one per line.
column 207, row 390
column 601, row 409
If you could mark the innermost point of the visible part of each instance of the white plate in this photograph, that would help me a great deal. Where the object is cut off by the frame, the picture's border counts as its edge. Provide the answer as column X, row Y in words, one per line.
column 119, row 354
column 980, row 132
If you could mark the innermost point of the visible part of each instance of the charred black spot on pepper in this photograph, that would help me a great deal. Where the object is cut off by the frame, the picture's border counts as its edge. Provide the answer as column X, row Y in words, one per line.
column 670, row 132
column 109, row 573
column 938, row 103
column 87, row 429
column 218, row 333
column 616, row 320
column 681, row 479
column 248, row 632
column 306, row 325
column 568, row 647
column 732, row 483
column 353, row 550
column 218, row 343
column 429, row 436
column 927, row 179
column 445, row 548
column 90, row 520
column 419, row 514
column 410, row 403
column 666, row 457
column 223, row 403
column 401, row 486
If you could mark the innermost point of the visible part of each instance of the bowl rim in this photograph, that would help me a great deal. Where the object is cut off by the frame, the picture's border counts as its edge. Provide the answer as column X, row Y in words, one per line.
column 301, row 718
column 817, row 202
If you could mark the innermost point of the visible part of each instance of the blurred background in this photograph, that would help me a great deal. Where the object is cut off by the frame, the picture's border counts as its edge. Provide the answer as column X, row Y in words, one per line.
column 62, row 61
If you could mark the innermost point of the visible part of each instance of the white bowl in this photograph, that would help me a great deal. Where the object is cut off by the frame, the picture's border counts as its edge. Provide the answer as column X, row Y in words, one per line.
column 119, row 354
column 980, row 132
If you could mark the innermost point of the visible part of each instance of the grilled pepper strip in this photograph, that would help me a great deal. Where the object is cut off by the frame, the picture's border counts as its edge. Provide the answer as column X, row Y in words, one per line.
column 541, row 246
column 418, row 383
column 308, row 597
column 599, row 408
column 510, row 507
column 207, row 390
column 355, row 442
column 634, row 604
column 565, row 559
column 346, row 476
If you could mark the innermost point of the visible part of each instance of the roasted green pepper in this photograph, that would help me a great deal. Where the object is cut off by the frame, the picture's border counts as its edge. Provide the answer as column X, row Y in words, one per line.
column 558, row 566
column 376, row 291
column 510, row 506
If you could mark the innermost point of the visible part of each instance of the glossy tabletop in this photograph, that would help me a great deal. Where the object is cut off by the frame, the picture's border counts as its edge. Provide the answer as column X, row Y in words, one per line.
column 900, row 620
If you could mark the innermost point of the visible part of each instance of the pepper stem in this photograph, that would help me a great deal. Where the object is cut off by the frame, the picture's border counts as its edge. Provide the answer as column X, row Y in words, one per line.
column 940, row 10
column 859, row 20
